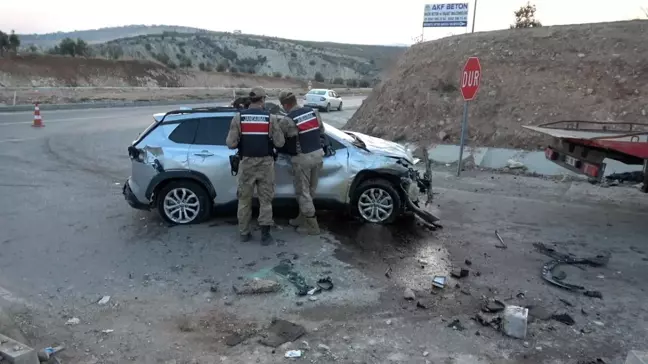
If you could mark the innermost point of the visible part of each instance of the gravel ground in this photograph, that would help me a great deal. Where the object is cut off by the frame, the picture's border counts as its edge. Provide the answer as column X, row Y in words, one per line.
column 69, row 239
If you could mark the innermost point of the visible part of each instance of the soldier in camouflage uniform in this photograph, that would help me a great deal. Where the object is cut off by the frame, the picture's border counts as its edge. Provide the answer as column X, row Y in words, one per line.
column 255, row 133
column 305, row 138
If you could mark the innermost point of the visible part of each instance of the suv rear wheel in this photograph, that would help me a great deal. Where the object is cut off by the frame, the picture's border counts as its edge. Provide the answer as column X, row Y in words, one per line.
column 183, row 202
column 377, row 201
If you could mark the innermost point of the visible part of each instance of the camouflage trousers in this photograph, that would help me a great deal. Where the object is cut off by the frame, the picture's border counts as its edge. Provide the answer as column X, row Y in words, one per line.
column 259, row 173
column 306, row 169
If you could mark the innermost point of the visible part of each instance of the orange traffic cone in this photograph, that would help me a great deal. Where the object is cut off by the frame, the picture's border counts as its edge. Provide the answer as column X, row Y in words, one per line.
column 38, row 121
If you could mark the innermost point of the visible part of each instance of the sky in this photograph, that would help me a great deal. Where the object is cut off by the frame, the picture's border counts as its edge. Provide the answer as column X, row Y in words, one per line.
column 346, row 21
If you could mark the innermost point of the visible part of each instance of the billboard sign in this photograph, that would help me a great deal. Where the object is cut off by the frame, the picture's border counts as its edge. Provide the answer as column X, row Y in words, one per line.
column 445, row 15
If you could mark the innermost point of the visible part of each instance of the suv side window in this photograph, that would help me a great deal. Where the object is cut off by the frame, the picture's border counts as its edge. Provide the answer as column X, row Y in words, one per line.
column 213, row 131
column 185, row 133
column 335, row 144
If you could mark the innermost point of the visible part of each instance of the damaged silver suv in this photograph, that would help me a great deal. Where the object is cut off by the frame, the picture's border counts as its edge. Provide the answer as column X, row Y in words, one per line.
column 181, row 167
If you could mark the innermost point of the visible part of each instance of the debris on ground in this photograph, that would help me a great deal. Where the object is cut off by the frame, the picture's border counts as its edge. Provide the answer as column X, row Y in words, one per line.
column 285, row 268
column 325, row 284
column 460, row 273
column 47, row 353
column 468, row 262
column 409, row 294
column 592, row 361
column 293, row 354
column 513, row 164
column 456, row 325
column 502, row 244
column 104, row 300
column 280, row 332
column 256, row 286
column 560, row 259
column 424, row 304
column 493, row 306
column 540, row 313
column 491, row 320
column 593, row 294
column 514, row 323
column 73, row 321
column 324, row 348
column 388, row 272
column 564, row 318
column 633, row 177
column 439, row 281
column 567, row 303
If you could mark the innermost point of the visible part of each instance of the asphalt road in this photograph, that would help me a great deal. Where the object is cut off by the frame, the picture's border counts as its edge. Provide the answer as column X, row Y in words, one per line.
column 68, row 238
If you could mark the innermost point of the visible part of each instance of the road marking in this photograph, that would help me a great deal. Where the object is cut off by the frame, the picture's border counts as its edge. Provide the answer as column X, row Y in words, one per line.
column 45, row 121
column 18, row 140
column 9, row 297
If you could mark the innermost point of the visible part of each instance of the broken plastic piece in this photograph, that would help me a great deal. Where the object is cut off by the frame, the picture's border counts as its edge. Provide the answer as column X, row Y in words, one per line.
column 439, row 281
column 325, row 284
column 293, row 354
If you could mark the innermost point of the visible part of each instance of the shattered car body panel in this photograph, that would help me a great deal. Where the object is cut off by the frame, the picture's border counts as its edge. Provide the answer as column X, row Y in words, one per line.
column 356, row 158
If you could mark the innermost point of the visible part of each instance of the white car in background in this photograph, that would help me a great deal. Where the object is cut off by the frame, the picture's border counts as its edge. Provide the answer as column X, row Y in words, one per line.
column 323, row 99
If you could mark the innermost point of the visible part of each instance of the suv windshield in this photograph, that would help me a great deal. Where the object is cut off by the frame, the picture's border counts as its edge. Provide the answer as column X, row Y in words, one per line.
column 317, row 92
column 337, row 133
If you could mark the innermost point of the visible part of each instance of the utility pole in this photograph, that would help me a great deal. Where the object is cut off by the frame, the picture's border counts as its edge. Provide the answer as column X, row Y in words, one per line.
column 474, row 17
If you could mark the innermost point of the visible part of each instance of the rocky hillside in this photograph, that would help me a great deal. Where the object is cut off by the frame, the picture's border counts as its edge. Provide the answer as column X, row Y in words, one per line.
column 594, row 72
column 93, row 36
column 196, row 49
column 34, row 70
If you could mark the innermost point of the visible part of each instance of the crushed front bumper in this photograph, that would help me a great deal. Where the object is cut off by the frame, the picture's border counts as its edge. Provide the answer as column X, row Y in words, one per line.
column 413, row 185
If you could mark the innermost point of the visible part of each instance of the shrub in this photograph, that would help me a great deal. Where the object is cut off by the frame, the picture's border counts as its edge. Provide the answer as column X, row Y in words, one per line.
column 364, row 83
column 312, row 62
column 277, row 74
column 319, row 77
column 221, row 67
column 338, row 81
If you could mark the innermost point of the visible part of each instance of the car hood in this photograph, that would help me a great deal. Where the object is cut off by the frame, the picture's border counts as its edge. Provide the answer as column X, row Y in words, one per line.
column 384, row 147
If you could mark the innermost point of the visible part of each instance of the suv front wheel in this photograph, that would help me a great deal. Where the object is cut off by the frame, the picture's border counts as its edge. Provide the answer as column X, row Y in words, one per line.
column 376, row 201
column 183, row 202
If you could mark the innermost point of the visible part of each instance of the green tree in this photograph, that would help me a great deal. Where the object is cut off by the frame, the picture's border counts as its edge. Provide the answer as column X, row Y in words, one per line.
column 4, row 43
column 525, row 17
column 222, row 67
column 14, row 41
column 276, row 74
column 319, row 77
column 70, row 47
column 338, row 81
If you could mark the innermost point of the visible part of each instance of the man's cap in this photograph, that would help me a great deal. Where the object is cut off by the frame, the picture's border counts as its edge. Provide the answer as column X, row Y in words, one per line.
column 257, row 92
column 283, row 95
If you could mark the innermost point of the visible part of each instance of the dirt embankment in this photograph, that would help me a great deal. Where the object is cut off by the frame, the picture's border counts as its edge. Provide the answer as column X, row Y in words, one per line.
column 596, row 72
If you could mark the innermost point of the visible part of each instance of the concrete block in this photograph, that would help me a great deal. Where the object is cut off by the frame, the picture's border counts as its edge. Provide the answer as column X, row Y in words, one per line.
column 17, row 353
column 514, row 323
column 637, row 357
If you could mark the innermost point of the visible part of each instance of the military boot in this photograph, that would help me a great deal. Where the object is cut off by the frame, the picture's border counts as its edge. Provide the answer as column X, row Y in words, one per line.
column 298, row 221
column 245, row 237
column 266, row 237
column 310, row 226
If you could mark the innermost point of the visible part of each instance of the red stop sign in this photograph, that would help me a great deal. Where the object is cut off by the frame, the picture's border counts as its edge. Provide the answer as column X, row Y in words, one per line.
column 470, row 78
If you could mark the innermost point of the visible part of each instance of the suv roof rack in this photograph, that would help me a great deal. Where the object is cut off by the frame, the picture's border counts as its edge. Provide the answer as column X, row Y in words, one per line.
column 196, row 110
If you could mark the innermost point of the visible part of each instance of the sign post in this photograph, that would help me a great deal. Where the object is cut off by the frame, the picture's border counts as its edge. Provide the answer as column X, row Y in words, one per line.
column 470, row 80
